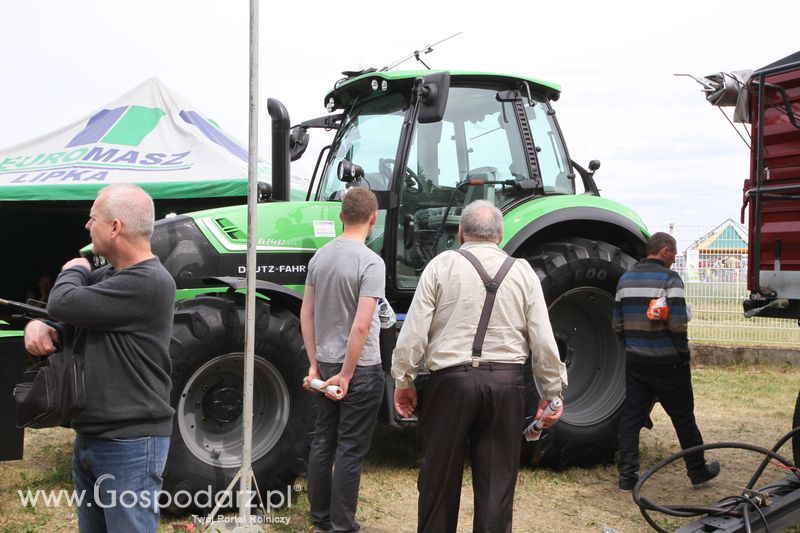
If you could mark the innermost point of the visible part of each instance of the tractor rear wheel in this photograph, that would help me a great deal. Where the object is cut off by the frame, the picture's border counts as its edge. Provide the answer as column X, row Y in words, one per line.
column 207, row 351
column 579, row 279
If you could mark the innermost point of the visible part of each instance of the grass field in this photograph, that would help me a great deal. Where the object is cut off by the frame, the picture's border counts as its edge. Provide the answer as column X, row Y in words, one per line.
column 747, row 404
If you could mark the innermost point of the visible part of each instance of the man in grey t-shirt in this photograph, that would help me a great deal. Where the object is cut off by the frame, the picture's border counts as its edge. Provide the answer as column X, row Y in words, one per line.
column 339, row 318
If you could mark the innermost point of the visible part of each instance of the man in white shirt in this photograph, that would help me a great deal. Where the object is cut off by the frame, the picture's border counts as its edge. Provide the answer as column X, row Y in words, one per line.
column 474, row 395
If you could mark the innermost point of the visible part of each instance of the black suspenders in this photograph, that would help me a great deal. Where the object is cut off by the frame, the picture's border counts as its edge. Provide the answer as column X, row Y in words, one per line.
column 491, row 284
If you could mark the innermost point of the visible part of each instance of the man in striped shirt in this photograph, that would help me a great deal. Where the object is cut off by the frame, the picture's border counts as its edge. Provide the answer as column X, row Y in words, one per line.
column 657, row 360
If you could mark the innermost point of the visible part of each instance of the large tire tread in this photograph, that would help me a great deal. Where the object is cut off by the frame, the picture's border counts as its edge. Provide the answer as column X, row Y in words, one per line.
column 561, row 267
column 208, row 326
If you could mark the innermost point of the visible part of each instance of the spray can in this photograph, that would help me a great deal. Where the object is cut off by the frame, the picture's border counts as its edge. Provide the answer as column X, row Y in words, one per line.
column 534, row 431
column 658, row 309
column 333, row 389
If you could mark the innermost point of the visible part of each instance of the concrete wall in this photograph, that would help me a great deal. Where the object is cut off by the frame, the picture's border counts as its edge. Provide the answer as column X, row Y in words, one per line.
column 728, row 355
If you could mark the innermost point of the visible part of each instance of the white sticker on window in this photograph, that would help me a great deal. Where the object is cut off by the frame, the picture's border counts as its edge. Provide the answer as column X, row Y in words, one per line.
column 324, row 228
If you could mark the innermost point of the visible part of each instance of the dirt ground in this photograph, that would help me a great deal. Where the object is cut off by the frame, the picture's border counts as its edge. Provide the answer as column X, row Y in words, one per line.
column 744, row 404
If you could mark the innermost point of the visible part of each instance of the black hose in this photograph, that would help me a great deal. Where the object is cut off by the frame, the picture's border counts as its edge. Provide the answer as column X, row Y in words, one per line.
column 724, row 506
column 746, row 518
column 763, row 518
column 765, row 462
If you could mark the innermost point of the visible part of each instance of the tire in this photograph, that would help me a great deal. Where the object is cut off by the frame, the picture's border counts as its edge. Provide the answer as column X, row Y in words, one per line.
column 796, row 437
column 579, row 280
column 207, row 351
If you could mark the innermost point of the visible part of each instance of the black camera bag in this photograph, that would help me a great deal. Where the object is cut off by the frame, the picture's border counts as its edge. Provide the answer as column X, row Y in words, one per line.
column 53, row 393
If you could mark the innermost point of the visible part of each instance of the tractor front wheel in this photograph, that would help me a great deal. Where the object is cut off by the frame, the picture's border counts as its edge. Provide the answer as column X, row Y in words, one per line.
column 207, row 351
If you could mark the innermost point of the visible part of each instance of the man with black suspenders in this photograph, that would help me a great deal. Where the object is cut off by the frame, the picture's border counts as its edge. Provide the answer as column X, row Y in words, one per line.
column 474, row 331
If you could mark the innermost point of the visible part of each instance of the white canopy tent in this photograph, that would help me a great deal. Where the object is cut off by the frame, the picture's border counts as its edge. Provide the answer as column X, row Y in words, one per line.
column 150, row 136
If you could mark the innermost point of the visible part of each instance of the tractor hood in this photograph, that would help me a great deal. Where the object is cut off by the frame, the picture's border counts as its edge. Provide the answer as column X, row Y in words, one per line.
column 282, row 226
column 214, row 242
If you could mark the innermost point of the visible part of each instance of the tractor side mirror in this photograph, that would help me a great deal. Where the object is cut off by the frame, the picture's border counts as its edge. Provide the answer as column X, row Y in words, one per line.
column 299, row 135
column 433, row 94
column 594, row 164
column 298, row 142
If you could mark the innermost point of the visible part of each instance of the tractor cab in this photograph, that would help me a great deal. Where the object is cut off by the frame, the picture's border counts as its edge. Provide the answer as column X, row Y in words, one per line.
column 427, row 144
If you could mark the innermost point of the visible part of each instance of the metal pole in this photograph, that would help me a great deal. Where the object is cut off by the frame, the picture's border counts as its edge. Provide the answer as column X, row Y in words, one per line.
column 246, row 472
column 754, row 254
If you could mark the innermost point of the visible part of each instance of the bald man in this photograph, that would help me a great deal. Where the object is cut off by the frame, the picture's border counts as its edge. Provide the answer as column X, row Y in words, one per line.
column 119, row 319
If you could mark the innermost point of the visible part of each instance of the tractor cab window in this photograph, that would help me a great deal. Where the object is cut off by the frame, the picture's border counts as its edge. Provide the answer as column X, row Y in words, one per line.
column 475, row 152
column 553, row 162
column 369, row 139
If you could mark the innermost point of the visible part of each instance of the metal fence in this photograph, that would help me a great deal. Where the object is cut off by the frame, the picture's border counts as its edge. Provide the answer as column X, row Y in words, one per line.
column 712, row 260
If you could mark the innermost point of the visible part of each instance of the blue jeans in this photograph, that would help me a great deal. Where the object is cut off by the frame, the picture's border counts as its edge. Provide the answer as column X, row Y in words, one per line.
column 341, row 437
column 120, row 480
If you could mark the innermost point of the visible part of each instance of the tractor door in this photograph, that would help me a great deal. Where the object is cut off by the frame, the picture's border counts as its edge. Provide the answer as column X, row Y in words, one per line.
column 368, row 138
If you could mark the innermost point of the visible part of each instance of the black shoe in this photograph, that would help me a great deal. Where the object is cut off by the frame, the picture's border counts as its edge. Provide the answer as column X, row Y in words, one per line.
column 626, row 484
column 709, row 472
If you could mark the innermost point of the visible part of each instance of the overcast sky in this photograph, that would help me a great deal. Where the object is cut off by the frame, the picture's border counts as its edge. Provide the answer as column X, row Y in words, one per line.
column 665, row 152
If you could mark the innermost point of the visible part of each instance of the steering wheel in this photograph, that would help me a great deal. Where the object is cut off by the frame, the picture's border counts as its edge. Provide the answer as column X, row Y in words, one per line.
column 413, row 182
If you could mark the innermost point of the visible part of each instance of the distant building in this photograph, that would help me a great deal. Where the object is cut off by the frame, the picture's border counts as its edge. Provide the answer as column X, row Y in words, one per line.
column 719, row 255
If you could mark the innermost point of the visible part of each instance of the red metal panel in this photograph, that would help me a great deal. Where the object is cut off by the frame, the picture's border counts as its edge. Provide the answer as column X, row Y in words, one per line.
column 780, row 219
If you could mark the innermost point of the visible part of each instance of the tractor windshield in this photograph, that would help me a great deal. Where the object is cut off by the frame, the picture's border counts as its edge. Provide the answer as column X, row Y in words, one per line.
column 479, row 138
column 369, row 139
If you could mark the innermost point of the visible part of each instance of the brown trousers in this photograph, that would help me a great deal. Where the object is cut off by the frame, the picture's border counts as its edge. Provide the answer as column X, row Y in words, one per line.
column 480, row 410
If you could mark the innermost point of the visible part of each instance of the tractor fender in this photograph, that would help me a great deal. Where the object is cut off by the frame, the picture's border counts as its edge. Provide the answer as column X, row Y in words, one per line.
column 289, row 298
column 626, row 232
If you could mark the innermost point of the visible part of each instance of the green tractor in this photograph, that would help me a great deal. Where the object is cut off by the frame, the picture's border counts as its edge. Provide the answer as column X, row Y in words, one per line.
column 426, row 143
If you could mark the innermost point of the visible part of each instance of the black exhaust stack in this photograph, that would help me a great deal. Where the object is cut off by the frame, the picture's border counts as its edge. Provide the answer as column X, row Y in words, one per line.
column 281, row 178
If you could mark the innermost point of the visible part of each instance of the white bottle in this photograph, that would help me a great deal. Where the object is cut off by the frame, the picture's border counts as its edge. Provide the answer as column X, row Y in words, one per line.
column 386, row 314
column 333, row 389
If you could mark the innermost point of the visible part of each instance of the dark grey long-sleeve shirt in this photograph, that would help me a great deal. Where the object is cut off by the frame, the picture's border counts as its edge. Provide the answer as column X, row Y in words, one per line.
column 121, row 321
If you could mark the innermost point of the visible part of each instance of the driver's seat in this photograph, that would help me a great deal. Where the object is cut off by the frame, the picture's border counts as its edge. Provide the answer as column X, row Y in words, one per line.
column 481, row 192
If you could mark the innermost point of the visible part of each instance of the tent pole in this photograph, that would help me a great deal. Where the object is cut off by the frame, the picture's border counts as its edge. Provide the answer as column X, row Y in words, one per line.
column 246, row 472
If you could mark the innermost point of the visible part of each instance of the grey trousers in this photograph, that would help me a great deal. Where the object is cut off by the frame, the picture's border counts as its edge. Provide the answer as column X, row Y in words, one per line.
column 341, row 438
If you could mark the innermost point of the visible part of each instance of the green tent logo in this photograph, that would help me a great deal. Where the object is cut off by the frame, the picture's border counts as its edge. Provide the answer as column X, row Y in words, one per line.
column 126, row 125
